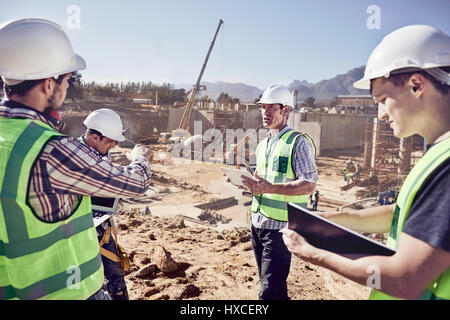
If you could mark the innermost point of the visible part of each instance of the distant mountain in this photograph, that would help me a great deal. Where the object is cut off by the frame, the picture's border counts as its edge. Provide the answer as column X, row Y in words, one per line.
column 323, row 90
column 301, row 83
column 243, row 92
column 328, row 89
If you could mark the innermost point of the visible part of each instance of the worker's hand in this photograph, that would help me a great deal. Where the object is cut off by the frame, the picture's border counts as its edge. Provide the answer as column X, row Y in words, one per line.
column 258, row 186
column 226, row 177
column 298, row 246
column 140, row 150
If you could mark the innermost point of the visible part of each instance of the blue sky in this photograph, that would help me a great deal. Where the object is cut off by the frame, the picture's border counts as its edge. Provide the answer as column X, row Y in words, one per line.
column 261, row 42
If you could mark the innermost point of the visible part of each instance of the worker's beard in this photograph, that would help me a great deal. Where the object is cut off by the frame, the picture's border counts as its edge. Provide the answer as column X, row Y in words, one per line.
column 54, row 101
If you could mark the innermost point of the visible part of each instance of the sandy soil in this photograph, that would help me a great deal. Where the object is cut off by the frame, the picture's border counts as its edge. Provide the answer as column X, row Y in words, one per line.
column 213, row 261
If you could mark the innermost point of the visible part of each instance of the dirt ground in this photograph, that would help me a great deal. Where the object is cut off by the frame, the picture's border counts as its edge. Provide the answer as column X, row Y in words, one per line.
column 175, row 254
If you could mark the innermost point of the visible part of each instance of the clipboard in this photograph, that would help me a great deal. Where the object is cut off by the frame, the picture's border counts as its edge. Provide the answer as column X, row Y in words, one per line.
column 235, row 175
column 103, row 209
column 330, row 236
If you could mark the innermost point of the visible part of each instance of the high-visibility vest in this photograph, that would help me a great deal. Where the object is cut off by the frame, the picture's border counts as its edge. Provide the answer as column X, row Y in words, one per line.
column 439, row 288
column 38, row 259
column 277, row 168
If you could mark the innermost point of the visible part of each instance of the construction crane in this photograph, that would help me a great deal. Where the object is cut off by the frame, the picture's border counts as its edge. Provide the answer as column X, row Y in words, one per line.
column 184, row 123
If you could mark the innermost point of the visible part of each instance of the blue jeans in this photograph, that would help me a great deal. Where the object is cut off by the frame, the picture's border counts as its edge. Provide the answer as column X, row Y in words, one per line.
column 274, row 261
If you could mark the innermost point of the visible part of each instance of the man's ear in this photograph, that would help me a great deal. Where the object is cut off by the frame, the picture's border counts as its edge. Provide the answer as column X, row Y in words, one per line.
column 47, row 86
column 417, row 83
column 286, row 110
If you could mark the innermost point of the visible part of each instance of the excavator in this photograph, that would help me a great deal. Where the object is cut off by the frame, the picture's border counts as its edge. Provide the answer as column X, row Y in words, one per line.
column 182, row 132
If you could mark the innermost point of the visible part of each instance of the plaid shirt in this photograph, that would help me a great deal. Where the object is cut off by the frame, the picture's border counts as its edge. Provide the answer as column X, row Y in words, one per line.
column 67, row 169
column 304, row 167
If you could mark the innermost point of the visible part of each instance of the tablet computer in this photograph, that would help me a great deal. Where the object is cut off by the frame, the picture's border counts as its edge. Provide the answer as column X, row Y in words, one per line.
column 235, row 175
column 330, row 236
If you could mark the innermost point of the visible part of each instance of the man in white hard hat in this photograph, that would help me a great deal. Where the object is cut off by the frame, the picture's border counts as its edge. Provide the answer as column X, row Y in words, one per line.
column 49, row 244
column 285, row 172
column 408, row 75
column 103, row 132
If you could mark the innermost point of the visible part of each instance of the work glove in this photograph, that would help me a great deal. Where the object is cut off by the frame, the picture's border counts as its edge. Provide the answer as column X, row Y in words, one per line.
column 140, row 150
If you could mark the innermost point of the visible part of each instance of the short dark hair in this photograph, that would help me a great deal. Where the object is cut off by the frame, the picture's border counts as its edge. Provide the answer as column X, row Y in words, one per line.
column 22, row 88
column 93, row 131
column 399, row 80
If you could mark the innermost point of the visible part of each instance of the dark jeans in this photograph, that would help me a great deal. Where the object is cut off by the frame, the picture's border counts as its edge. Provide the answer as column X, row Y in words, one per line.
column 274, row 262
column 114, row 274
column 99, row 295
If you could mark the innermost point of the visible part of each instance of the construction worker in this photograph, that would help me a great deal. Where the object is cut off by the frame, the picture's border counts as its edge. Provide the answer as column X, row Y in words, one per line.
column 346, row 175
column 285, row 172
column 49, row 245
column 358, row 172
column 104, row 132
column 408, row 75
column 315, row 200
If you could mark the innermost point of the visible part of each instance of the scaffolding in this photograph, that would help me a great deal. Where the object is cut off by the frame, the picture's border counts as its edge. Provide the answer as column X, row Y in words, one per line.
column 388, row 157
column 223, row 120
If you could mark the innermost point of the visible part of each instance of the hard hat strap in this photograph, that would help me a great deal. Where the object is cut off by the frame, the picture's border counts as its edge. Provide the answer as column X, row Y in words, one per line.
column 439, row 75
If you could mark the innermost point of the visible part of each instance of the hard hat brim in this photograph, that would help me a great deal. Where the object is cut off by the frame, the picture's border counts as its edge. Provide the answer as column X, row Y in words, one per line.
column 120, row 139
column 362, row 84
column 78, row 63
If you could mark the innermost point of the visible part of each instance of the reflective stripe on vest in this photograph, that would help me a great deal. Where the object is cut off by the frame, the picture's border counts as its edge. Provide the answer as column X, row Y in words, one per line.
column 41, row 260
column 277, row 168
column 433, row 158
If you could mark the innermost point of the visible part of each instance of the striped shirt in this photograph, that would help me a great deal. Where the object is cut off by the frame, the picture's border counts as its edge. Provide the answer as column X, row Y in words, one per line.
column 304, row 167
column 67, row 169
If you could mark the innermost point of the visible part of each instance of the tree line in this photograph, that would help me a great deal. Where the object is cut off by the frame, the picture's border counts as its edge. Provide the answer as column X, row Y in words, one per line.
column 167, row 94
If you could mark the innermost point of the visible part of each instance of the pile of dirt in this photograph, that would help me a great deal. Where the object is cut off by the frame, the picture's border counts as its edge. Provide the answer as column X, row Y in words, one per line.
column 213, row 217
column 170, row 260
column 175, row 255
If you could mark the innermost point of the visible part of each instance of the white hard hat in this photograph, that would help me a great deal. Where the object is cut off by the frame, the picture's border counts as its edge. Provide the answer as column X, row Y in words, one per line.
column 408, row 49
column 32, row 49
column 277, row 94
column 107, row 122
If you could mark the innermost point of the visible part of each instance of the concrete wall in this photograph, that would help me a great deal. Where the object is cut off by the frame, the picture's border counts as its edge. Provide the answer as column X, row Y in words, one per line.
column 331, row 131
column 252, row 119
column 140, row 123
column 312, row 129
column 175, row 116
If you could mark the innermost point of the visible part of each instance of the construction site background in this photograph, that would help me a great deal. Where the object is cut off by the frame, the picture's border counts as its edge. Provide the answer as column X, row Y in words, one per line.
column 192, row 220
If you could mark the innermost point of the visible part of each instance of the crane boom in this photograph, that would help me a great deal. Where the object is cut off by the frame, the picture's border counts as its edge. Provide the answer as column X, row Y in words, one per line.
column 184, row 124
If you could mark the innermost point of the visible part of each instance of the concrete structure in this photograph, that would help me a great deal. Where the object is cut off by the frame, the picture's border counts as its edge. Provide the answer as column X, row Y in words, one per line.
column 175, row 115
column 355, row 100
column 331, row 131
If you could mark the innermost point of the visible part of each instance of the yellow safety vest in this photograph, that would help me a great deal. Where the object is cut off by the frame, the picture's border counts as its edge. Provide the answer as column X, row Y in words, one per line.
column 439, row 288
column 38, row 259
column 277, row 168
